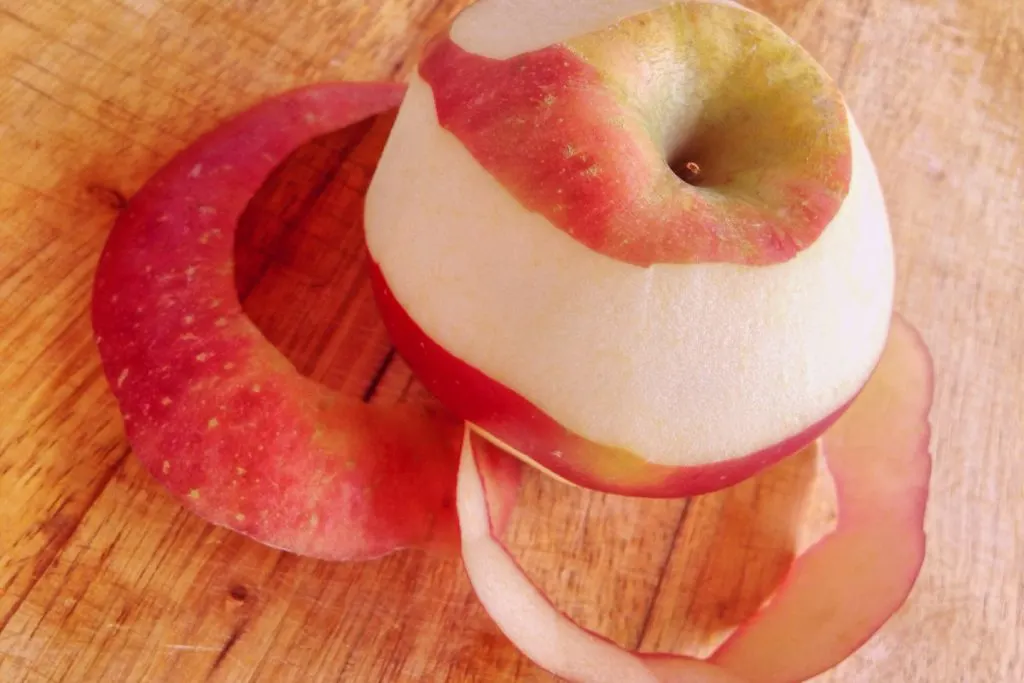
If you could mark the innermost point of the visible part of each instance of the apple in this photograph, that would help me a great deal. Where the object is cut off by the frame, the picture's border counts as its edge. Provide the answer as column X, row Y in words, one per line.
column 215, row 412
column 640, row 245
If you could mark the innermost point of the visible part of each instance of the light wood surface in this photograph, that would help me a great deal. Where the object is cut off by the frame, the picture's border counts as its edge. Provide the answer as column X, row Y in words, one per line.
column 104, row 578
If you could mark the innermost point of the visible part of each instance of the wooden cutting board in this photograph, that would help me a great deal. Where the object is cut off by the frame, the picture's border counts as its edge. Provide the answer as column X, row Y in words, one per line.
column 104, row 578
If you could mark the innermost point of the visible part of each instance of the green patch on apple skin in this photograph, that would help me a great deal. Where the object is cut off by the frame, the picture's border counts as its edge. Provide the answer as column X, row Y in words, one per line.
column 763, row 123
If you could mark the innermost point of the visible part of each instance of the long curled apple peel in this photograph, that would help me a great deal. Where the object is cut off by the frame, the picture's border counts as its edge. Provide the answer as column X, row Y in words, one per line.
column 221, row 419
column 836, row 595
column 213, row 410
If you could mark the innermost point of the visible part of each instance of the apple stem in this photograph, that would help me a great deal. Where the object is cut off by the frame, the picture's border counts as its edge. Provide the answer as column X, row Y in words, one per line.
column 689, row 173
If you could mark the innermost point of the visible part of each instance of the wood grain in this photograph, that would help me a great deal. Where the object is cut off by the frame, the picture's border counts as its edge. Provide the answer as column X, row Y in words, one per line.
column 104, row 578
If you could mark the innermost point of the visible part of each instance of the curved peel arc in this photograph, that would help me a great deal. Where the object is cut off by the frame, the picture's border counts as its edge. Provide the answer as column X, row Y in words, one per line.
column 858, row 575
column 519, row 427
column 217, row 414
column 523, row 613
column 864, row 570
column 485, row 29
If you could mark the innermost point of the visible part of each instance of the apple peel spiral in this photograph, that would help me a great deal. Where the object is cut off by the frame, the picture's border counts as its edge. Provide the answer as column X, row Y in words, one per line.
column 639, row 245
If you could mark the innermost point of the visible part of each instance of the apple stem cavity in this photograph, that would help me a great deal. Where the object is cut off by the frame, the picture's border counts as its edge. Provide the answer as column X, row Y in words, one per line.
column 688, row 171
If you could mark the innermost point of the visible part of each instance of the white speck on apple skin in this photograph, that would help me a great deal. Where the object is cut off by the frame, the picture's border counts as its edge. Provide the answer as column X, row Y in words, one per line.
column 196, row 171
column 122, row 377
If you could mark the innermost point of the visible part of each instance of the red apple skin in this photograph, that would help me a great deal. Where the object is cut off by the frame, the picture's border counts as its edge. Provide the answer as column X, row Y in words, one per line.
column 549, row 127
column 513, row 421
column 214, row 412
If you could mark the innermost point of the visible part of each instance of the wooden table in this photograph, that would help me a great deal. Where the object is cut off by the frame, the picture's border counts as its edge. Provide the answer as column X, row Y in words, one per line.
column 104, row 578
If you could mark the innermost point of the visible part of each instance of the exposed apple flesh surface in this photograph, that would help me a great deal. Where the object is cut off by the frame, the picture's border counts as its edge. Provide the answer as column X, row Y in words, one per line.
column 487, row 405
column 753, row 317
column 212, row 409
column 836, row 594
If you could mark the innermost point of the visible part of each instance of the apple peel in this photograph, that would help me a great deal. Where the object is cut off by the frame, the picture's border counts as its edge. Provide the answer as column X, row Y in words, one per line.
column 845, row 587
column 212, row 409
column 835, row 596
